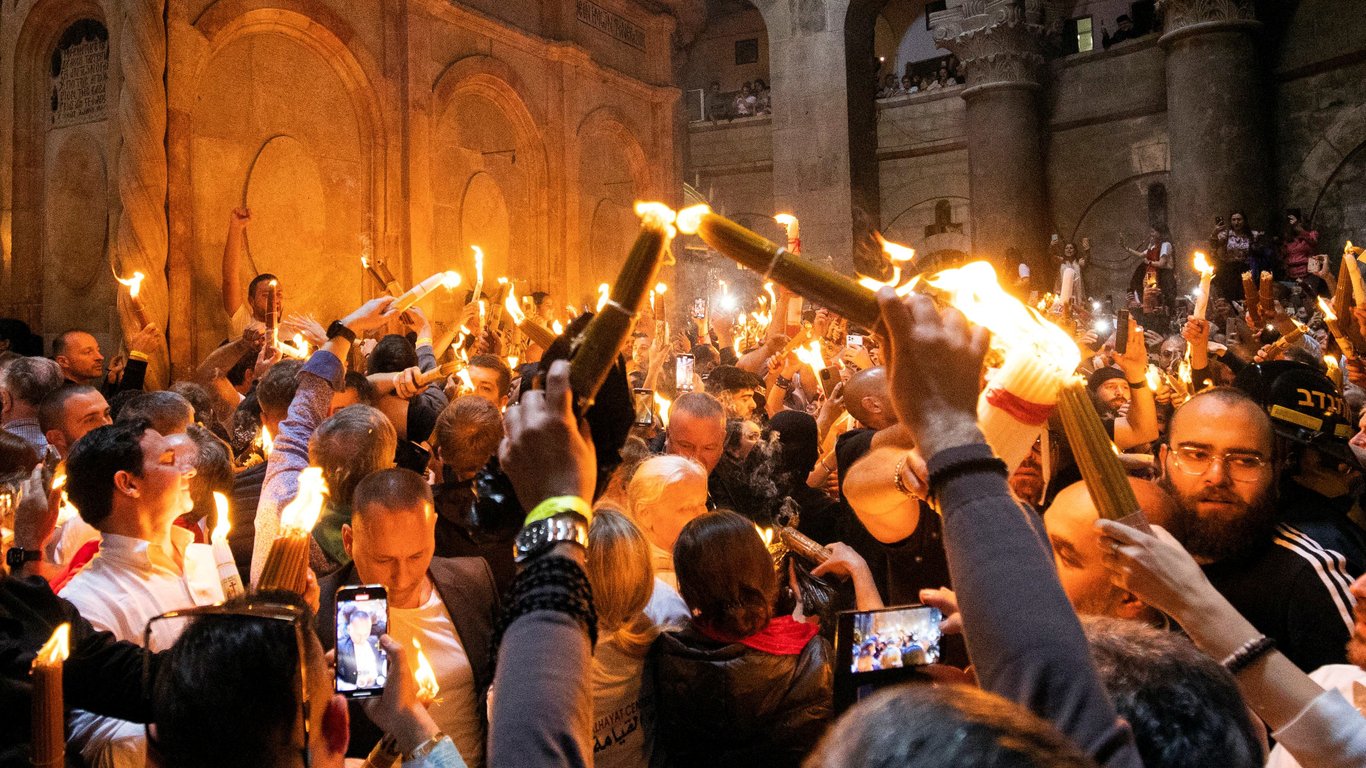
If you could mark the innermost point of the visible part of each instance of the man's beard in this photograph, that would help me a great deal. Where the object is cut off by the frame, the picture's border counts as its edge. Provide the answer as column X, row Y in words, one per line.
column 1356, row 647
column 1215, row 539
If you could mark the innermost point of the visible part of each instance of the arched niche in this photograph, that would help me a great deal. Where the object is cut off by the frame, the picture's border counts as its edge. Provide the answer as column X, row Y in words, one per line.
column 1337, row 213
column 1120, row 213
column 732, row 48
column 281, row 102
column 58, row 240
column 488, row 176
column 612, row 174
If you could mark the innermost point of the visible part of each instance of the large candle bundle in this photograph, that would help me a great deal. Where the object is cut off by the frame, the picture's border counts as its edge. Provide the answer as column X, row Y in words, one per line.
column 1266, row 296
column 287, row 562
column 1250, row 300
column 773, row 262
column 1279, row 346
column 597, row 347
column 1330, row 319
column 803, row 545
column 1105, row 478
column 48, row 748
column 1039, row 359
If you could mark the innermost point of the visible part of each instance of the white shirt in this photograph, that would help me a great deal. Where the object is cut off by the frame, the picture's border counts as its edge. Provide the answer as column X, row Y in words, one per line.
column 1326, row 730
column 623, row 708
column 456, row 709
column 127, row 584
column 666, row 607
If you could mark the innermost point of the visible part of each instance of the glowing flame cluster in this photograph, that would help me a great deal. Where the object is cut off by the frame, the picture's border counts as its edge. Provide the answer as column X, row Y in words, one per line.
column 663, row 404
column 811, row 356
column 427, row 687
column 1202, row 264
column 658, row 215
column 134, row 284
column 974, row 291
column 1329, row 315
column 66, row 511
column 765, row 535
column 56, row 649
column 604, row 291
column 513, row 309
column 223, row 526
column 303, row 512
column 899, row 255
column 266, row 442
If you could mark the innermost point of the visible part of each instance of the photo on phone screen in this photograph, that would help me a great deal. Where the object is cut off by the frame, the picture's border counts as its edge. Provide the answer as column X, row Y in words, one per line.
column 362, row 616
column 874, row 649
column 645, row 406
column 853, row 340
column 683, row 368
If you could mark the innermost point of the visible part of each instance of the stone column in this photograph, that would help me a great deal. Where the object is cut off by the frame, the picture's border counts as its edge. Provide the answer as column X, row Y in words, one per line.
column 1215, row 109
column 811, row 123
column 141, row 240
column 1000, row 43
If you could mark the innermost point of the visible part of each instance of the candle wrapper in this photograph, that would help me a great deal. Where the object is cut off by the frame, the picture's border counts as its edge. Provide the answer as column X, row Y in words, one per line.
column 1266, row 303
column 227, row 571
column 803, row 545
column 1250, row 298
column 1015, row 405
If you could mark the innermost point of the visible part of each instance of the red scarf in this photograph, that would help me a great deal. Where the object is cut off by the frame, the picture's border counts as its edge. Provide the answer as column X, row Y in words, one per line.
column 782, row 636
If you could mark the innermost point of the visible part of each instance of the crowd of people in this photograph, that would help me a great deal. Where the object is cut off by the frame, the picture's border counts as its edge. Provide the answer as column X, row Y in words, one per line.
column 919, row 78
column 656, row 580
column 753, row 98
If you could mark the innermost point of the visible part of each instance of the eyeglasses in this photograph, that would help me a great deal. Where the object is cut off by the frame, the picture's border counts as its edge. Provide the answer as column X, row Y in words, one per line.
column 1241, row 467
column 162, row 631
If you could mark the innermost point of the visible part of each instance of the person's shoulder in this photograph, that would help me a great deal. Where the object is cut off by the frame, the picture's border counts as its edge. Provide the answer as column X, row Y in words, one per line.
column 464, row 570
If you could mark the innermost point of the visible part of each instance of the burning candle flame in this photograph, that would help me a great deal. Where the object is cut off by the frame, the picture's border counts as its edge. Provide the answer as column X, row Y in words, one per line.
column 811, row 356
column 663, row 404
column 223, row 526
column 786, row 219
column 1154, row 377
column 1327, row 309
column 465, row 381
column 690, row 218
column 1202, row 264
column 451, row 280
column 557, row 327
column 56, row 649
column 603, row 291
column 303, row 512
column 661, row 288
column 765, row 534
column 427, row 687
column 134, row 284
column 658, row 215
column 513, row 309
column 974, row 291
column 267, row 443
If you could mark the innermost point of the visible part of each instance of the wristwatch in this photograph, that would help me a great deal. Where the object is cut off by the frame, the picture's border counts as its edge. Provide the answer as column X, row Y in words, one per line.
column 16, row 557
column 337, row 328
column 425, row 748
column 541, row 535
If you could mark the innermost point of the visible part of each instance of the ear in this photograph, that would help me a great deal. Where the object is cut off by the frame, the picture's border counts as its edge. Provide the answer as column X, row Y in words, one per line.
column 1131, row 607
column 57, row 439
column 125, row 482
column 336, row 725
column 348, row 538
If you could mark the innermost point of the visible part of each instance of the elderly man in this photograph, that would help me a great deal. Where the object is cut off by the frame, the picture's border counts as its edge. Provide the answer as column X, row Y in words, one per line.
column 24, row 383
column 448, row 605
column 665, row 494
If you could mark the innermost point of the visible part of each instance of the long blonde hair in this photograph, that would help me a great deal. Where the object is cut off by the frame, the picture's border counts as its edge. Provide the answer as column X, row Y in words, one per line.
column 622, row 576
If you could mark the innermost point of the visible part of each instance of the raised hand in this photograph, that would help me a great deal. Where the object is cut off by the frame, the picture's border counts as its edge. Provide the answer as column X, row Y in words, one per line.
column 545, row 451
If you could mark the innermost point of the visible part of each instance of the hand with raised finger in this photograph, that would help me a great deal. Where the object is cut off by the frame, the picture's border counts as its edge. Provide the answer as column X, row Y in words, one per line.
column 1154, row 567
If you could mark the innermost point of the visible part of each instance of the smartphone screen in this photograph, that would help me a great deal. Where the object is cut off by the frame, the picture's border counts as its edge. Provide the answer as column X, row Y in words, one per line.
column 853, row 340
column 645, row 406
column 699, row 307
column 362, row 616
column 1122, row 331
column 683, row 368
column 874, row 649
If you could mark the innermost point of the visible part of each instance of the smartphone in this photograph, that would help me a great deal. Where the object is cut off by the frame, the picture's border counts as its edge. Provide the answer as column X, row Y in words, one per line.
column 645, row 406
column 874, row 649
column 699, row 307
column 829, row 378
column 362, row 616
column 683, row 369
column 1121, row 331
column 853, row 340
column 1218, row 221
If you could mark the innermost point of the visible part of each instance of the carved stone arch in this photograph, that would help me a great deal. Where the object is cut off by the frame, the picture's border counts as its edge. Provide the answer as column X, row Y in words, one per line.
column 1120, row 207
column 607, row 121
column 495, row 82
column 22, row 233
column 607, row 224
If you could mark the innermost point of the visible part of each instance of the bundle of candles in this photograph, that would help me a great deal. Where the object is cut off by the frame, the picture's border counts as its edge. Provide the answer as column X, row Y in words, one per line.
column 380, row 271
column 1097, row 457
column 540, row 335
column 1250, row 298
column 781, row 539
column 898, row 256
column 1330, row 319
column 48, row 746
column 1279, row 346
column 773, row 262
column 287, row 562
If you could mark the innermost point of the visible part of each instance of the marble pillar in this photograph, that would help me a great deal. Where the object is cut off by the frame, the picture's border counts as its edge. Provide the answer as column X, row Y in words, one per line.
column 1000, row 43
column 1216, row 103
column 811, row 164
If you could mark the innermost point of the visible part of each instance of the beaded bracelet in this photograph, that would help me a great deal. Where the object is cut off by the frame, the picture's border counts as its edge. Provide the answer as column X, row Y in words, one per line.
column 555, row 584
column 1247, row 653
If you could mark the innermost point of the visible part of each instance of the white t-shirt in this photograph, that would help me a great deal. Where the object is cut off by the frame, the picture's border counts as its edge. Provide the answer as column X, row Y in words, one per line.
column 623, row 708
column 1348, row 680
column 240, row 319
column 455, row 710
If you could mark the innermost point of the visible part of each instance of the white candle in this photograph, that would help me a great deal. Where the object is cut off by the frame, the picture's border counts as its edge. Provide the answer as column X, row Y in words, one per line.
column 222, row 553
column 1014, row 407
column 1354, row 272
column 415, row 294
column 1069, row 278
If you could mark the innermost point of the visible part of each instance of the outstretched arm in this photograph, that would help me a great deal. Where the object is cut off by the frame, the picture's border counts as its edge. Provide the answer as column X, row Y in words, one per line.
column 232, row 259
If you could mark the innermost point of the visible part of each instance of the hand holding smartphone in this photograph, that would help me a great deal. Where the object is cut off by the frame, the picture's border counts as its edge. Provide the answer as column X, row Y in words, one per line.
column 362, row 616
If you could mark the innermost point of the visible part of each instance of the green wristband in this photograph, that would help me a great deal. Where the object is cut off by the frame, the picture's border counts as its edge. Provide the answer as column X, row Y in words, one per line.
column 557, row 504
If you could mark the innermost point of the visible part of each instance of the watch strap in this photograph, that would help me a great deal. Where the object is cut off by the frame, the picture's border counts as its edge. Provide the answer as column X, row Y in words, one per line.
column 337, row 328
column 558, row 504
column 17, row 556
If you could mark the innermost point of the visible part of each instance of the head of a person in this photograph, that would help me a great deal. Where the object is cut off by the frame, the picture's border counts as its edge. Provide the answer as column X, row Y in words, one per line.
column 799, row 440
column 467, row 433
column 359, row 621
column 705, row 358
column 622, row 576
column 78, row 353
column 1027, row 481
column 725, row 574
column 640, row 350
column 1070, row 523
column 741, row 437
column 212, row 470
column 665, row 494
column 905, row 81
column 697, row 429
column 954, row 726
column 166, row 411
column 1356, row 646
column 492, row 379
column 69, row 412
column 24, row 383
column 391, row 354
column 356, row 390
column 390, row 536
column 276, row 391
column 201, row 402
column 1069, row 251
column 126, row 477
column 1110, row 388
column 16, row 454
column 350, row 445
column 544, row 303
column 1218, row 465
column 258, row 294
column 1184, row 707
column 244, row 674
column 734, row 388
column 1237, row 221
column 1172, row 349
column 869, row 400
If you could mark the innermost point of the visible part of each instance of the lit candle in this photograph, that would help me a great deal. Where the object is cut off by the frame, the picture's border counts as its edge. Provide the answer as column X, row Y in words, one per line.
column 222, row 553
column 391, row 283
column 1354, row 273
column 134, row 284
column 287, row 562
column 1330, row 319
column 48, row 747
column 1250, row 297
column 540, row 335
column 478, row 271
column 427, row 686
column 273, row 312
column 899, row 255
column 803, row 545
column 793, row 230
column 823, row 286
column 1266, row 302
column 658, row 295
column 1206, row 271
column 1334, row 371
column 418, row 292
column 1069, row 278
column 1279, row 346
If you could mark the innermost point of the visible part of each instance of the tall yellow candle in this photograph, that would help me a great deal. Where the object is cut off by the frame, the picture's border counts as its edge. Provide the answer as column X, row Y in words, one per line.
column 48, row 748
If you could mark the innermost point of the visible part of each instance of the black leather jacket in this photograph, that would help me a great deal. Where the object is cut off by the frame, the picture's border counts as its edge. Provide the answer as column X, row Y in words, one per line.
column 725, row 704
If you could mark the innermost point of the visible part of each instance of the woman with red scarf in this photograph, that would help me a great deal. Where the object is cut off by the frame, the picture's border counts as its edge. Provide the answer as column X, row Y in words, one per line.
column 737, row 686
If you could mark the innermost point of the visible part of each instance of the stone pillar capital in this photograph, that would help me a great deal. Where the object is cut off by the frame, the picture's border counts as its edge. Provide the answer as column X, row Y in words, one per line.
column 1188, row 17
column 1000, row 42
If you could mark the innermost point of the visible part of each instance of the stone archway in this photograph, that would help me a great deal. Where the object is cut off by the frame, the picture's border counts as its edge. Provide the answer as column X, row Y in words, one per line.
column 610, row 174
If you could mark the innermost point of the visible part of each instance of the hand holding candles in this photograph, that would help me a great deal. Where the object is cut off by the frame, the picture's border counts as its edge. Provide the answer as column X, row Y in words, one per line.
column 48, row 748
column 1206, row 271
column 222, row 554
column 418, row 292
column 1330, row 319
column 287, row 562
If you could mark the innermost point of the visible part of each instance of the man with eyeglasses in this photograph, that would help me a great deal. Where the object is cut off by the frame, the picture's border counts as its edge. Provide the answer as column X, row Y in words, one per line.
column 1218, row 464
column 130, row 483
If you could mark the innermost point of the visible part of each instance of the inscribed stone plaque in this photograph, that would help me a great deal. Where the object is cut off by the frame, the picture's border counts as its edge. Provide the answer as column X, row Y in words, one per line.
column 80, row 74
column 609, row 23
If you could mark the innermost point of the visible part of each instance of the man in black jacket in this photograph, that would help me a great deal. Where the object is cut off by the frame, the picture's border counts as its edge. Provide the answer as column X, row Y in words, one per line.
column 78, row 353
